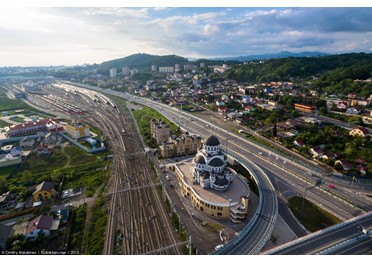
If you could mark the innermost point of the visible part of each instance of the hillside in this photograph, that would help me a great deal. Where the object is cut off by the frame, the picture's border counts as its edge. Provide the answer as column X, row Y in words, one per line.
column 142, row 62
column 334, row 73
column 283, row 54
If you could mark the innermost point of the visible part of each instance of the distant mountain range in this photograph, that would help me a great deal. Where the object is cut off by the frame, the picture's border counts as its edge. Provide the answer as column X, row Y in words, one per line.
column 144, row 61
column 283, row 54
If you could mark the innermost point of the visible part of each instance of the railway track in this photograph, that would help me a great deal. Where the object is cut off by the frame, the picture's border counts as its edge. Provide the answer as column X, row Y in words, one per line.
column 137, row 221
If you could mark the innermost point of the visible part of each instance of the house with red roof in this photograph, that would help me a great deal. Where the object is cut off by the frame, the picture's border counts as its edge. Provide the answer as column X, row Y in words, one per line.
column 317, row 152
column 346, row 165
column 40, row 224
column 298, row 142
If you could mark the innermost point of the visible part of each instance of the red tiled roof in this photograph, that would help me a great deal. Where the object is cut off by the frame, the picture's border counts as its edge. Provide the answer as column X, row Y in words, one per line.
column 41, row 222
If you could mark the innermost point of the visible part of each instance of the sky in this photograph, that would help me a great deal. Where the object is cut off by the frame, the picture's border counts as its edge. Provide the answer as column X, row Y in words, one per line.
column 38, row 34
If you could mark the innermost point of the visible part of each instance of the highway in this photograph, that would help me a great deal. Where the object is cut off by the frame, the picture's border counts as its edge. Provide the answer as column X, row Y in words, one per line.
column 344, row 238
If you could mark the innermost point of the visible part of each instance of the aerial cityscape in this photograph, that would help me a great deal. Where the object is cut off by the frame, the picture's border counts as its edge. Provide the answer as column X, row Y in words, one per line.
column 185, row 131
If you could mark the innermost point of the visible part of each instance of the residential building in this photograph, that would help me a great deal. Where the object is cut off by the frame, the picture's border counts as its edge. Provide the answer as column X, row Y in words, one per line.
column 352, row 110
column 40, row 224
column 126, row 71
column 166, row 69
column 330, row 155
column 342, row 104
column 28, row 128
column 7, row 201
column 160, row 131
column 360, row 131
column 113, row 72
column 43, row 150
column 133, row 71
column 305, row 108
column 317, row 152
column 154, row 68
column 177, row 68
column 44, row 191
column 182, row 145
column 344, row 163
column 77, row 130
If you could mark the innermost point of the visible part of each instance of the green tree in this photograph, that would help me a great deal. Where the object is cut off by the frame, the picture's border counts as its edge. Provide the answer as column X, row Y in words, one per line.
column 274, row 130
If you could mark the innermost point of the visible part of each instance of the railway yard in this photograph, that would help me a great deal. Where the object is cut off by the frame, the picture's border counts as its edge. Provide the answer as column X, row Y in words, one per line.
column 137, row 222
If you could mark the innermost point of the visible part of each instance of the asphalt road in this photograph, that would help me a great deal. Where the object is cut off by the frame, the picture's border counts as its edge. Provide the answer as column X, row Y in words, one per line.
column 328, row 238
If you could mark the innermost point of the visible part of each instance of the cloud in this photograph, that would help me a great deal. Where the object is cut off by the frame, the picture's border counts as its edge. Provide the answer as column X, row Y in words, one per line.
column 98, row 34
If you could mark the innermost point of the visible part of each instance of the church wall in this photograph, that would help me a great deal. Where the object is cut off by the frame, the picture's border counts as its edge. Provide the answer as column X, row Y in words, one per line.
column 208, row 207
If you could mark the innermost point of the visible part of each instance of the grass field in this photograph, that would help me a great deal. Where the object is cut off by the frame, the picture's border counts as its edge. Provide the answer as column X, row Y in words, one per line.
column 10, row 105
column 143, row 118
column 75, row 166
column 3, row 124
column 314, row 218
column 7, row 104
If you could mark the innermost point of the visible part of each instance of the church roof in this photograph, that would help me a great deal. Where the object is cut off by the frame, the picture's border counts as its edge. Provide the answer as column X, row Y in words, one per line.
column 216, row 162
column 212, row 141
column 199, row 159
column 221, row 182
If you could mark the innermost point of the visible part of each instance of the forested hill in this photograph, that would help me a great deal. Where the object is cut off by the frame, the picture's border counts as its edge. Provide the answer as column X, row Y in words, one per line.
column 329, row 68
column 142, row 62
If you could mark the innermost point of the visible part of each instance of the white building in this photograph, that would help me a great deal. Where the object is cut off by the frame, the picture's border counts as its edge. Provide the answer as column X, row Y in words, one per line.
column 211, row 170
column 126, row 71
column 113, row 72
column 166, row 69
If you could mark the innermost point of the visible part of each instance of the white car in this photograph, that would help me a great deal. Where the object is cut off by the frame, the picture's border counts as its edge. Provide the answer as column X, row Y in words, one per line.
column 167, row 177
column 218, row 247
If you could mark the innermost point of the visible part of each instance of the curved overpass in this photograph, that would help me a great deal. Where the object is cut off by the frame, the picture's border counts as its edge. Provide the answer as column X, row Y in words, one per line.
column 253, row 237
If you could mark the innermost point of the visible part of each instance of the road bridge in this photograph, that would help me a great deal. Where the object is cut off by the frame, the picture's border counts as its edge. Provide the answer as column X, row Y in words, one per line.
column 337, row 239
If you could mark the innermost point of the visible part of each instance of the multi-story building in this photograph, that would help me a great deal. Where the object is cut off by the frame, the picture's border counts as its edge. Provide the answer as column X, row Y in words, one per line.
column 154, row 68
column 77, row 130
column 177, row 68
column 133, row 71
column 126, row 71
column 182, row 145
column 28, row 128
column 160, row 131
column 113, row 72
column 44, row 191
column 166, row 69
